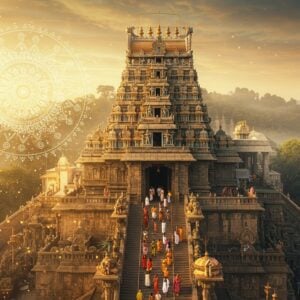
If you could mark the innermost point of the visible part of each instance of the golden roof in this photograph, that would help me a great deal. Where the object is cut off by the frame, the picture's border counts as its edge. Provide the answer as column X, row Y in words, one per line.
column 207, row 266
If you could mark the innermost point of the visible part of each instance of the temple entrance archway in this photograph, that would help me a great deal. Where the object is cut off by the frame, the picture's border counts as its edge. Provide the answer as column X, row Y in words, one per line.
column 158, row 175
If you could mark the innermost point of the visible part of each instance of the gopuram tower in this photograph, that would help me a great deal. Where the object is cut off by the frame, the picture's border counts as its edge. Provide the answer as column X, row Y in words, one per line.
column 84, row 235
column 158, row 132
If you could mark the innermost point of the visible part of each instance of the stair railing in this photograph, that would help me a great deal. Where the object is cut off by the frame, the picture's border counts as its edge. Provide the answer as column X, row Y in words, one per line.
column 140, row 253
column 173, row 249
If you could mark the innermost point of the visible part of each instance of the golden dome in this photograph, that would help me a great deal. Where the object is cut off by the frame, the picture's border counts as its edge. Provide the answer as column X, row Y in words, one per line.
column 241, row 130
column 207, row 266
column 63, row 162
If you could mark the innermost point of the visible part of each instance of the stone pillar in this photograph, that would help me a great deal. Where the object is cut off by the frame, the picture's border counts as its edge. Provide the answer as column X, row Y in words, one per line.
column 265, row 166
column 175, row 181
column 255, row 169
column 134, row 180
column 205, row 291
column 183, row 184
column 109, row 290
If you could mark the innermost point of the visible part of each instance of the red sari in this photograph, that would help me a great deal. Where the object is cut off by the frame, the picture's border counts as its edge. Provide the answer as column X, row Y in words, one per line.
column 146, row 221
column 177, row 285
column 155, row 285
column 144, row 262
column 149, row 264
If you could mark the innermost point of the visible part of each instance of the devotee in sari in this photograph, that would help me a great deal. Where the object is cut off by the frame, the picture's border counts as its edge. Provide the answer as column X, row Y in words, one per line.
column 176, row 285
column 155, row 284
column 139, row 295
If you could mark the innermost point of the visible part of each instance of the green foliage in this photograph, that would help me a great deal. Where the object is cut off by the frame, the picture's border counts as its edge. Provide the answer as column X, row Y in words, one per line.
column 287, row 162
column 270, row 114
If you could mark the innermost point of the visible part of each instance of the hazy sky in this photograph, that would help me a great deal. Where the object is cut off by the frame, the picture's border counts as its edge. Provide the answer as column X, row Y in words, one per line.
column 253, row 44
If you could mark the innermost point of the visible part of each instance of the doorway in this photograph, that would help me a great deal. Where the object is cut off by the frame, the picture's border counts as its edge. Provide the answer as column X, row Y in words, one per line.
column 158, row 175
column 157, row 139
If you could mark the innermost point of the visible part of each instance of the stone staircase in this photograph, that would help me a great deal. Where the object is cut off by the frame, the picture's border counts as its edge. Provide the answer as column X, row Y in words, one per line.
column 133, row 275
column 181, row 258
column 129, row 284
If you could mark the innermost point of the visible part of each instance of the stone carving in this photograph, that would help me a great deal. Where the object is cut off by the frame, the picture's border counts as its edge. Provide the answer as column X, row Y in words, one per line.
column 108, row 266
column 192, row 207
column 149, row 112
column 168, row 138
column 121, row 205
column 164, row 112
column 147, row 136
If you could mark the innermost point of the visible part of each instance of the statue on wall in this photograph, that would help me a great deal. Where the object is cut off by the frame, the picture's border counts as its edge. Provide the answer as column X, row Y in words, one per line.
column 164, row 112
column 108, row 266
column 147, row 136
column 149, row 112
column 167, row 137
column 192, row 207
column 121, row 205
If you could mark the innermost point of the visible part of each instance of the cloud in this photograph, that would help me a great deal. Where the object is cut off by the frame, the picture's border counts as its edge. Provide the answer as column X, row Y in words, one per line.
column 237, row 40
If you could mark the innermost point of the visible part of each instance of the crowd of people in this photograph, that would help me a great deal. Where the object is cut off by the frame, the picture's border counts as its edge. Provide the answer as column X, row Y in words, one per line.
column 158, row 245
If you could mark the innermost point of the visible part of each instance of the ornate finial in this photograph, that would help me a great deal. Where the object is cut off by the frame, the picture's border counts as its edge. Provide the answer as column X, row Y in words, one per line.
column 205, row 245
column 150, row 31
column 141, row 32
column 267, row 289
column 176, row 32
column 168, row 31
column 274, row 296
column 159, row 31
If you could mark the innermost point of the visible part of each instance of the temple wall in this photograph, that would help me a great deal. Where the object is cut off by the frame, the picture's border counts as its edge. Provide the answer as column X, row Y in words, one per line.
column 67, row 285
column 198, row 177
column 226, row 227
column 134, row 180
column 224, row 175
column 249, row 286
column 96, row 223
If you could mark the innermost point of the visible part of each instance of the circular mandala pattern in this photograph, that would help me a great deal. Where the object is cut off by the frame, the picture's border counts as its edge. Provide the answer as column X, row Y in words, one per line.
column 36, row 82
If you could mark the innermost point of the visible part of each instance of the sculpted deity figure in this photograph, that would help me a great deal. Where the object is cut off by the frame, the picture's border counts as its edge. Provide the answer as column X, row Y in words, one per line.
column 167, row 138
column 196, row 250
column 192, row 207
column 164, row 112
column 147, row 138
column 149, row 111
column 108, row 266
column 121, row 205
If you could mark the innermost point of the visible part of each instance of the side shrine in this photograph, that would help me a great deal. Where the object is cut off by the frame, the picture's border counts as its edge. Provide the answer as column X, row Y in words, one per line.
column 85, row 235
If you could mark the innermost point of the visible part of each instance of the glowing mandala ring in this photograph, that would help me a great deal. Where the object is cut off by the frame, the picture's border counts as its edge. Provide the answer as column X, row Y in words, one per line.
column 36, row 83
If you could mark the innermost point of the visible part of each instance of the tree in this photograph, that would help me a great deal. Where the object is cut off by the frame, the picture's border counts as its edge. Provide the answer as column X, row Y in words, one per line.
column 287, row 162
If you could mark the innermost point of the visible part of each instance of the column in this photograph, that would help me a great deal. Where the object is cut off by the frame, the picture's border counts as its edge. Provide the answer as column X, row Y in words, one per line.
column 265, row 166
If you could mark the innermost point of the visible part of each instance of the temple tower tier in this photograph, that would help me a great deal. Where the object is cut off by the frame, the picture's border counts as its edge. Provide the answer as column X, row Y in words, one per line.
column 158, row 121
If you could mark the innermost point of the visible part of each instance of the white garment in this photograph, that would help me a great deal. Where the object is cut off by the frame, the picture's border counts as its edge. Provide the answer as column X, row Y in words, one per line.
column 163, row 227
column 165, row 286
column 176, row 238
column 158, row 190
column 164, row 239
column 165, row 203
column 147, row 280
column 169, row 199
column 162, row 196
column 158, row 296
column 147, row 201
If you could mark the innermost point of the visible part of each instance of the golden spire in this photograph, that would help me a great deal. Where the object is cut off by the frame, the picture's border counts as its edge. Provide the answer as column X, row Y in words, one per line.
column 141, row 32
column 176, row 32
column 150, row 31
column 159, row 31
column 168, row 31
